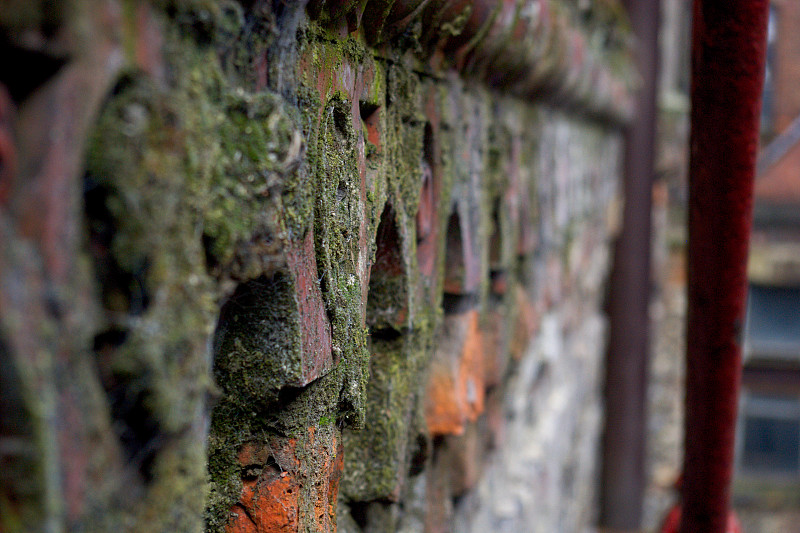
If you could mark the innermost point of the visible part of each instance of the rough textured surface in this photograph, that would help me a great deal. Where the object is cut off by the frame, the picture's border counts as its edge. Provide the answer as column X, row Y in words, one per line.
column 252, row 249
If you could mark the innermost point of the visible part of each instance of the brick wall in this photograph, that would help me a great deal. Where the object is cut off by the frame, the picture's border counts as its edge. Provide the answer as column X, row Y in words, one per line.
column 276, row 267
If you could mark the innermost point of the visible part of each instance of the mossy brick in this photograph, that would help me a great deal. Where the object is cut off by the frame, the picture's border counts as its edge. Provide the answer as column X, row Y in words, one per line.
column 466, row 255
column 455, row 389
column 405, row 125
column 388, row 299
column 341, row 75
column 273, row 332
column 513, row 169
column 377, row 458
column 476, row 31
column 270, row 490
column 434, row 195
column 502, row 220
column 442, row 20
column 137, row 155
column 236, row 157
column 308, row 416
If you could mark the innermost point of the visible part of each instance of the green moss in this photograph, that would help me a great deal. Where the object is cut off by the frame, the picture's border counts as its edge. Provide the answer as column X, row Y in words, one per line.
column 208, row 182
column 259, row 342
column 377, row 459
column 194, row 171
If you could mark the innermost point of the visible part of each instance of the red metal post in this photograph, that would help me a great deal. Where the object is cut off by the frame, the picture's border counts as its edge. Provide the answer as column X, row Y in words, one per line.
column 728, row 55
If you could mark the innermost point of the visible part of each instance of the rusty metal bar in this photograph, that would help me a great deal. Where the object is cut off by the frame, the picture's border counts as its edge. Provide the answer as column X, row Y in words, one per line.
column 623, row 473
column 728, row 56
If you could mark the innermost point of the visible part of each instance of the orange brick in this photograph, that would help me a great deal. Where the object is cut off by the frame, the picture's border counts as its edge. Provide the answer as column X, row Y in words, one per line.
column 456, row 385
column 269, row 500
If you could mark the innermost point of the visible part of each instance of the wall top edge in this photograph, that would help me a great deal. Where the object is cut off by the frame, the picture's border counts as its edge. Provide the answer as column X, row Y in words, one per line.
column 573, row 54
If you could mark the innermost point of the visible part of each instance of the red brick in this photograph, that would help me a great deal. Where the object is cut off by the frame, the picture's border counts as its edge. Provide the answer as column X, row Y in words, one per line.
column 316, row 354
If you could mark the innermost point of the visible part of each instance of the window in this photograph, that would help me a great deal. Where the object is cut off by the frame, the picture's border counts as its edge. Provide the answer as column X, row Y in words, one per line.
column 770, row 435
column 773, row 324
column 768, row 430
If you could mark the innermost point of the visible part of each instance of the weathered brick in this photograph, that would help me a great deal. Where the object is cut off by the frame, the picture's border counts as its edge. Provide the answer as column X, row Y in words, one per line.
column 270, row 490
column 388, row 300
column 496, row 337
column 495, row 420
column 426, row 220
column 462, row 262
column 464, row 456
column 455, row 389
column 439, row 503
column 378, row 458
column 284, row 488
column 274, row 331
